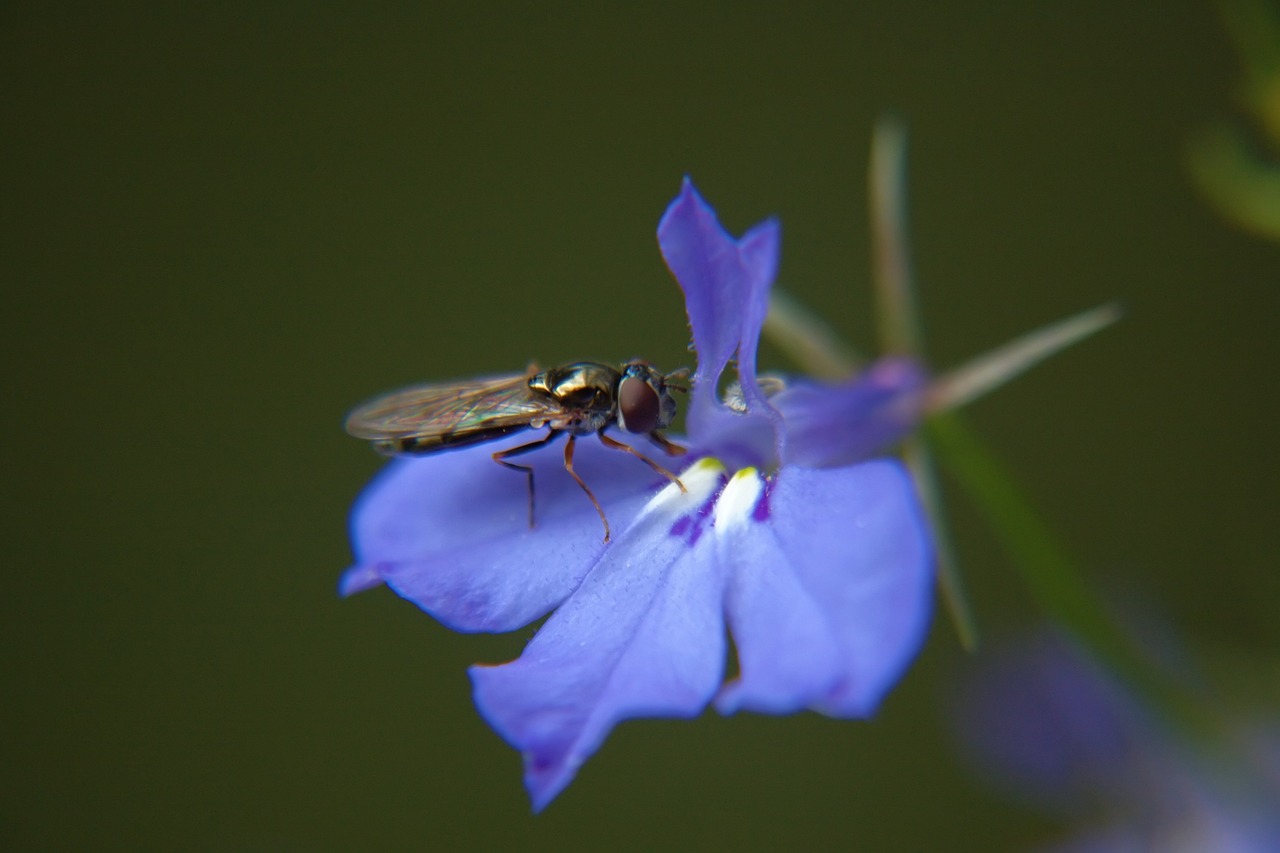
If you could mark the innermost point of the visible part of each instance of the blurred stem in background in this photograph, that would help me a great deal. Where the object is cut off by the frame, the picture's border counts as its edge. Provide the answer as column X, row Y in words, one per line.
column 1042, row 563
column 1238, row 174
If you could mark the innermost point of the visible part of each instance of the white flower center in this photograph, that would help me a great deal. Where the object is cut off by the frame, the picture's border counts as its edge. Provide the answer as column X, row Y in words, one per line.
column 701, row 479
column 738, row 500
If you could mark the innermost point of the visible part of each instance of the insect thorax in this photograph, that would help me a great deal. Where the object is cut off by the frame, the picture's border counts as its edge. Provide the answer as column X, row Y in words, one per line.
column 586, row 389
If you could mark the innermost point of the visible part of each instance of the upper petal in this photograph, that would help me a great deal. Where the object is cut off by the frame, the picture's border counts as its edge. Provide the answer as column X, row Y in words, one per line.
column 842, row 423
column 451, row 533
column 726, row 286
column 830, row 592
column 642, row 636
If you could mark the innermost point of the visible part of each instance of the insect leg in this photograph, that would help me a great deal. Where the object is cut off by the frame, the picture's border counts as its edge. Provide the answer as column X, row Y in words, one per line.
column 671, row 448
column 501, row 458
column 618, row 445
column 568, row 466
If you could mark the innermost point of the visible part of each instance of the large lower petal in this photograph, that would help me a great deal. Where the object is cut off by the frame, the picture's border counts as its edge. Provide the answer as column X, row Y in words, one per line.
column 642, row 636
column 830, row 591
column 451, row 533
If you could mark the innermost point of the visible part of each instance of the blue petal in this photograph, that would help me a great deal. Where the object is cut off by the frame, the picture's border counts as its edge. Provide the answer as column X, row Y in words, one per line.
column 839, row 424
column 450, row 531
column 642, row 636
column 726, row 286
column 1051, row 723
column 831, row 590
column 758, row 251
column 358, row 579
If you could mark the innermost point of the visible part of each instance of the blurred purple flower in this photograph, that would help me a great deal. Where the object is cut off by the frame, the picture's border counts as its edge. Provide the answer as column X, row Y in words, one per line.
column 815, row 554
column 1051, row 726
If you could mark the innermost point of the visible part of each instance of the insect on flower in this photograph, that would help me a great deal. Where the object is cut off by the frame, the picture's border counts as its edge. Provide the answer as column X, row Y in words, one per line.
column 578, row 399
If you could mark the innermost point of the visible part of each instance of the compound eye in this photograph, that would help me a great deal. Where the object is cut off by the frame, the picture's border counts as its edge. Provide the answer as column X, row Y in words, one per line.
column 638, row 407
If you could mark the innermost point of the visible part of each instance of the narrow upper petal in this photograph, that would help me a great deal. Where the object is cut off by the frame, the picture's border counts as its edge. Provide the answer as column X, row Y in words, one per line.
column 830, row 591
column 758, row 253
column 642, row 636
column 833, row 424
column 451, row 533
column 726, row 285
column 706, row 262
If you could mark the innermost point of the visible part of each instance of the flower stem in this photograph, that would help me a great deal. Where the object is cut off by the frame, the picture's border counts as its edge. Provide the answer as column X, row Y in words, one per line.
column 899, row 327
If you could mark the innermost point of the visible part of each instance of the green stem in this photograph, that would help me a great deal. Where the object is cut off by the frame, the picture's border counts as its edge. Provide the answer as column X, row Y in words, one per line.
column 1050, row 576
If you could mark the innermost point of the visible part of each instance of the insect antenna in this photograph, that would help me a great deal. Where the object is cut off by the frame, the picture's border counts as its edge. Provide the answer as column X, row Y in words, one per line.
column 678, row 379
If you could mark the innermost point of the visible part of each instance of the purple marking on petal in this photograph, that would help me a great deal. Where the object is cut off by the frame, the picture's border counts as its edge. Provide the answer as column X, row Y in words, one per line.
column 696, row 532
column 682, row 525
column 761, row 512
column 702, row 518
column 690, row 525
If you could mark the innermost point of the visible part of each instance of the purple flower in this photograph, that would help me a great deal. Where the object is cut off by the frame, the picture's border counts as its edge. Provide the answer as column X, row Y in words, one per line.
column 814, row 553
column 1053, row 727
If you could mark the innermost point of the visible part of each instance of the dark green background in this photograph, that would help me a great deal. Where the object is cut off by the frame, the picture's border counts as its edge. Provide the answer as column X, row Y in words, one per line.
column 222, row 229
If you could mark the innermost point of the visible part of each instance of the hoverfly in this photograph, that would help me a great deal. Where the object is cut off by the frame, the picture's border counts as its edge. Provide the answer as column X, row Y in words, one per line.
column 576, row 399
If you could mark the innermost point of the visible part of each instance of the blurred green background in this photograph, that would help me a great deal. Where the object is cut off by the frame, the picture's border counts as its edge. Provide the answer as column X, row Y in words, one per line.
column 222, row 228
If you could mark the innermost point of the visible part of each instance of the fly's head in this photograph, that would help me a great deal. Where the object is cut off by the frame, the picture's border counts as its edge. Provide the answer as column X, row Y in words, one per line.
column 644, row 401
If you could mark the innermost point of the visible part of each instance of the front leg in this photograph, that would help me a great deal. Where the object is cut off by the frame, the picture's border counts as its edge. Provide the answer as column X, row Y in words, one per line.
column 671, row 448
column 618, row 445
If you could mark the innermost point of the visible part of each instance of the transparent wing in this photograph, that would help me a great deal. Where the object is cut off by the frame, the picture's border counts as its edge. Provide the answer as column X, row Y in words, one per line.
column 453, row 410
